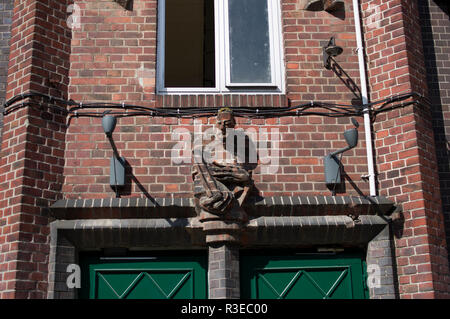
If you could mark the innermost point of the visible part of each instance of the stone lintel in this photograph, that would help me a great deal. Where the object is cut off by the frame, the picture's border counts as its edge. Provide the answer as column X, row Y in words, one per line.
column 188, row 232
column 137, row 208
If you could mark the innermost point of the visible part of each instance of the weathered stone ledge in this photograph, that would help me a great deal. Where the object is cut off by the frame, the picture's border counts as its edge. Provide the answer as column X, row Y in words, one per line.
column 122, row 208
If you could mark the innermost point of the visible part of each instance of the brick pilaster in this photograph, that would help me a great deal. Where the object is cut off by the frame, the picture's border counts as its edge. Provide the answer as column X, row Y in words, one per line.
column 223, row 271
column 405, row 150
column 32, row 152
column 6, row 9
column 380, row 262
column 435, row 22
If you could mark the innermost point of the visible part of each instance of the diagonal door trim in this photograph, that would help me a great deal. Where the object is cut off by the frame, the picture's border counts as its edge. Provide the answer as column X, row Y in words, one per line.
column 189, row 272
column 345, row 269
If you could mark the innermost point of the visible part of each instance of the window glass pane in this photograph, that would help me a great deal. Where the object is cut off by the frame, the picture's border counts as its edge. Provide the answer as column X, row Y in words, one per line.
column 249, row 41
column 189, row 58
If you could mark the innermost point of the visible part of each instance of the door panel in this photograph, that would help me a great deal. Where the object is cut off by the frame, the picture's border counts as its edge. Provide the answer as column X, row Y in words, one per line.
column 158, row 277
column 310, row 276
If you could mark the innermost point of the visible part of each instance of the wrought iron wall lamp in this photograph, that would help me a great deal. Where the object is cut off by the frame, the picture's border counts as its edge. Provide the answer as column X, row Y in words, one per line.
column 330, row 50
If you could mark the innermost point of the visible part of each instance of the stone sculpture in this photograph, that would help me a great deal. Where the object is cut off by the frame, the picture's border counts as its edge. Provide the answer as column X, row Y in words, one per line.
column 221, row 186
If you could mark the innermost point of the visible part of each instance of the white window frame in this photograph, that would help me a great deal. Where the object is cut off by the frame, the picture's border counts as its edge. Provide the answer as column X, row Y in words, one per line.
column 222, row 60
column 272, row 34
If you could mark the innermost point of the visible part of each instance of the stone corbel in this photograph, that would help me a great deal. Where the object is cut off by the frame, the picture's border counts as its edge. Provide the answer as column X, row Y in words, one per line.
column 224, row 229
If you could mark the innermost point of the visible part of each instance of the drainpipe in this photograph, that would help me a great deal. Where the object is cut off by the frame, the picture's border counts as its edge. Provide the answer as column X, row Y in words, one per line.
column 365, row 100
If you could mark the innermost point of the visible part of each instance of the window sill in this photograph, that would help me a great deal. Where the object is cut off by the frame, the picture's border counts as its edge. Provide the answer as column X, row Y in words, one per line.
column 259, row 90
column 217, row 99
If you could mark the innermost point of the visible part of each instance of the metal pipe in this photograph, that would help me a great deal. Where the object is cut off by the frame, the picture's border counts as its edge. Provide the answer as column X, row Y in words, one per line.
column 365, row 99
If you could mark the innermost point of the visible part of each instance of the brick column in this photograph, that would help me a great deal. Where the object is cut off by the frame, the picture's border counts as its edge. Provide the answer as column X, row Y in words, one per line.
column 32, row 152
column 404, row 146
column 223, row 271
column 223, row 236
column 380, row 262
column 435, row 21
column 6, row 9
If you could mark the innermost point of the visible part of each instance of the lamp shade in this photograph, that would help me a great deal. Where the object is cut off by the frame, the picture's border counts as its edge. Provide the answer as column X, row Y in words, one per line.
column 109, row 124
column 333, row 50
column 351, row 137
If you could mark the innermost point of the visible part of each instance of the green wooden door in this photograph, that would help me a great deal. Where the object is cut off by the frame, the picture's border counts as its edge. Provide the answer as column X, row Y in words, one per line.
column 313, row 276
column 155, row 277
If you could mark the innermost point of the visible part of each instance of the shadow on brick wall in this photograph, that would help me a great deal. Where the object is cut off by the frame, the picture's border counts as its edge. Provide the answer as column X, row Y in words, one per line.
column 434, row 45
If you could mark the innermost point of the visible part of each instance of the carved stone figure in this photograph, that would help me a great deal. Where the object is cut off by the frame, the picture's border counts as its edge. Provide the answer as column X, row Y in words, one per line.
column 221, row 186
column 219, row 183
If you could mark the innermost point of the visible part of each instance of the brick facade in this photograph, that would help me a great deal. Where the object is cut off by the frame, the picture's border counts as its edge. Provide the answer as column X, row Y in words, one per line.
column 5, row 26
column 434, row 17
column 47, row 159
column 405, row 151
column 32, row 152
column 106, row 69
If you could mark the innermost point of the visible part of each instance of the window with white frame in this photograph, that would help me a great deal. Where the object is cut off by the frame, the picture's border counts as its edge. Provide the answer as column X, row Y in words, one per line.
column 219, row 46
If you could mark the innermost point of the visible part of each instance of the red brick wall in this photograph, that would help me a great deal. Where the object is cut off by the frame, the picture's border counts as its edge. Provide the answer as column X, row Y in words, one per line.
column 5, row 25
column 32, row 152
column 41, row 162
column 113, row 44
column 405, row 152
column 435, row 21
